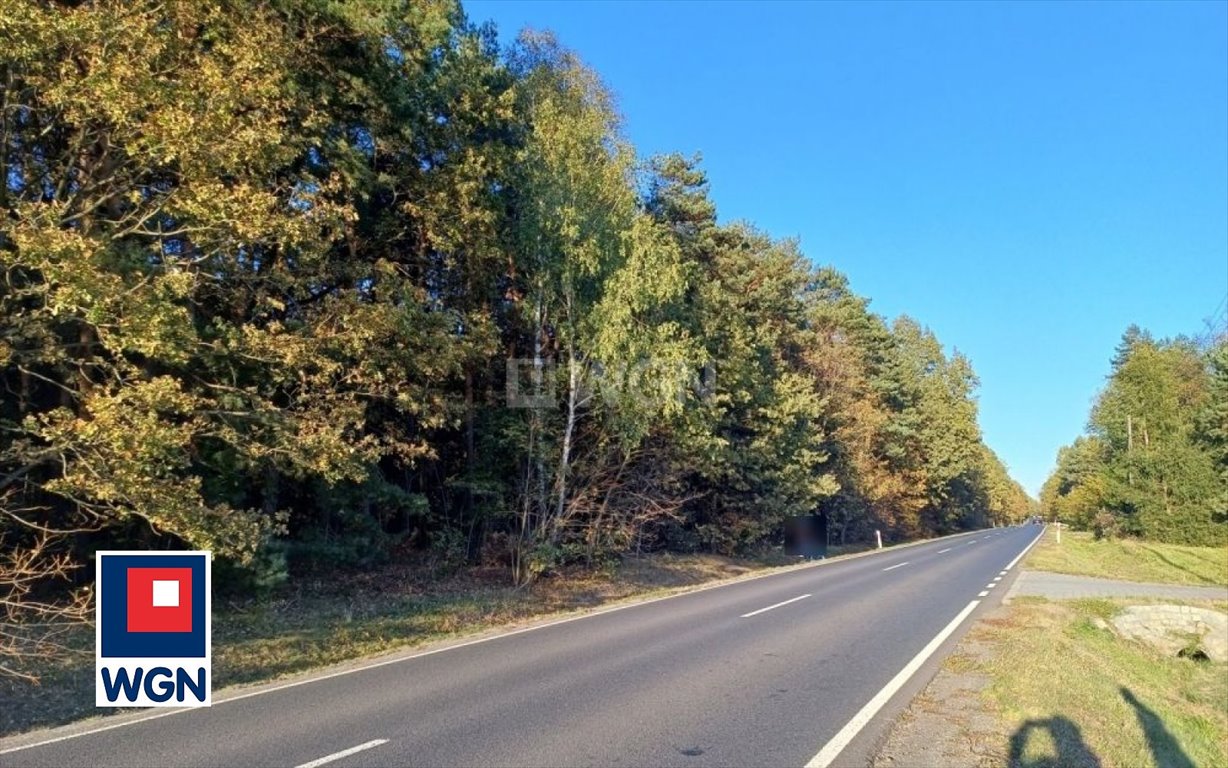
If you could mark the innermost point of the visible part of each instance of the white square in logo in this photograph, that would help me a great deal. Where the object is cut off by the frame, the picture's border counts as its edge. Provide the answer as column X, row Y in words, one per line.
column 165, row 594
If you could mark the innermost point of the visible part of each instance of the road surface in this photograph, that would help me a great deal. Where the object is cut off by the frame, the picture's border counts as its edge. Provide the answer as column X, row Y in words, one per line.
column 802, row 667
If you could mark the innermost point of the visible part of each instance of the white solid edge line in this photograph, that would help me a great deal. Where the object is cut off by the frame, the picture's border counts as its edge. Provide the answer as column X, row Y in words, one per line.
column 113, row 726
column 343, row 753
column 832, row 749
column 770, row 607
column 366, row 667
column 893, row 567
column 476, row 641
column 1019, row 556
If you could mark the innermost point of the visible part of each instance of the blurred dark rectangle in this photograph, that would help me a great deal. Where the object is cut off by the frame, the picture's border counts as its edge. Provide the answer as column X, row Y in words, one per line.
column 806, row 536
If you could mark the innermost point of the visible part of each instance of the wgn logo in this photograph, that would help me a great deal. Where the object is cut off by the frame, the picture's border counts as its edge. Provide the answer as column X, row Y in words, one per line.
column 153, row 630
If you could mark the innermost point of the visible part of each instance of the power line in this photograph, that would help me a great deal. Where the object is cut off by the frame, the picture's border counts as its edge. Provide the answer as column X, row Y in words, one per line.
column 1219, row 309
column 1216, row 323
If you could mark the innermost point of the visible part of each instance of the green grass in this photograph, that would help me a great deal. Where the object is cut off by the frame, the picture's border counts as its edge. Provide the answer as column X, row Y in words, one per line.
column 1130, row 559
column 1074, row 694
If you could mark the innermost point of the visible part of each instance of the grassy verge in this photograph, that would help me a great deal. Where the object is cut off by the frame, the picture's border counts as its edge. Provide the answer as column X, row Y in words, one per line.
column 1073, row 694
column 1129, row 559
column 322, row 622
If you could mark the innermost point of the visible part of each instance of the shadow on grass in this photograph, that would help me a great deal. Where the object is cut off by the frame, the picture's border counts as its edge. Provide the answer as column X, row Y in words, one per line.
column 1164, row 748
column 1202, row 579
column 1072, row 751
column 265, row 641
column 1217, row 563
column 66, row 691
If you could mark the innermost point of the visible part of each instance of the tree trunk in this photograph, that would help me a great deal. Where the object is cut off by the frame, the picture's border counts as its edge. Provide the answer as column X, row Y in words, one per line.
column 573, row 381
column 533, row 461
column 470, row 442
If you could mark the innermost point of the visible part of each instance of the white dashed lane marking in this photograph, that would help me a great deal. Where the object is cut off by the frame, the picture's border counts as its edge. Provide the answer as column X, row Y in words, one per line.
column 777, row 605
column 343, row 753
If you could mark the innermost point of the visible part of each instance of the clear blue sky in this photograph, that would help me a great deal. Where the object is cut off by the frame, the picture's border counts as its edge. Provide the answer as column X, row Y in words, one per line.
column 1025, row 179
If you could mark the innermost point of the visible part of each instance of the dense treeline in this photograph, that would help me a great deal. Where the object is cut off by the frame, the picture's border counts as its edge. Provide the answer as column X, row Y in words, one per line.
column 313, row 284
column 1154, row 461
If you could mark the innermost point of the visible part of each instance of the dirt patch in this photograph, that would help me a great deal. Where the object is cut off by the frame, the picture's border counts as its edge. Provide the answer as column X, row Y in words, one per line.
column 948, row 724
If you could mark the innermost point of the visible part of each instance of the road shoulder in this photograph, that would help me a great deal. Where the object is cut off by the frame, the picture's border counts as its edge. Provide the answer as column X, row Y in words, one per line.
column 988, row 703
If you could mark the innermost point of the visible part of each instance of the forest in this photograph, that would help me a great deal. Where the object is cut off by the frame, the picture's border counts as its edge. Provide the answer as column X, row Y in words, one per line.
column 319, row 285
column 1154, row 461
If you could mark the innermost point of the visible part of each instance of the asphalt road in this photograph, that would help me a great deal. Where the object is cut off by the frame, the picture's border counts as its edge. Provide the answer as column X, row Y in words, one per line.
column 763, row 672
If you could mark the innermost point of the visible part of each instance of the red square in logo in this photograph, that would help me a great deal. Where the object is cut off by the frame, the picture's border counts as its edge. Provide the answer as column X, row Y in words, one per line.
column 159, row 599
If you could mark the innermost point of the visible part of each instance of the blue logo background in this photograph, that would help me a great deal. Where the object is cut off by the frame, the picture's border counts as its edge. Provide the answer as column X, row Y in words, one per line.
column 117, row 641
